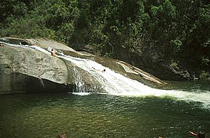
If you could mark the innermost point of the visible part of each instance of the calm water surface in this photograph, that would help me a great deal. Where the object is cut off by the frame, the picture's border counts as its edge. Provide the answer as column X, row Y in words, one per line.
column 171, row 115
column 95, row 115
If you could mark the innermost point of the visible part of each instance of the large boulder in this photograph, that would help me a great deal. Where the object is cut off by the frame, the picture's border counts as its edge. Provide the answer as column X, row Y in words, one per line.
column 23, row 69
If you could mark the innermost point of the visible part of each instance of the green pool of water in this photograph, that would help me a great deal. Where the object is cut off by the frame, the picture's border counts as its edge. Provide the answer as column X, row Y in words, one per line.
column 99, row 116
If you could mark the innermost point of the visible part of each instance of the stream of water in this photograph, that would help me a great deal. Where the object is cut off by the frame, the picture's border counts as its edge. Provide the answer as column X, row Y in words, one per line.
column 117, row 84
column 127, row 109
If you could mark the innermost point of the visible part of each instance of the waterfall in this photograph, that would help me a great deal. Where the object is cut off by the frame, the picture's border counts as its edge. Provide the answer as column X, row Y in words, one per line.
column 116, row 84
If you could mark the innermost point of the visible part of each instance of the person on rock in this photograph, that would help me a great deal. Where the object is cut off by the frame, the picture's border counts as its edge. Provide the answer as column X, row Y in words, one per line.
column 53, row 53
column 102, row 70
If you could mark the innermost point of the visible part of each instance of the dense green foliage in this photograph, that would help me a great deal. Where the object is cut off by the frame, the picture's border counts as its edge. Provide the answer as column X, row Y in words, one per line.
column 178, row 29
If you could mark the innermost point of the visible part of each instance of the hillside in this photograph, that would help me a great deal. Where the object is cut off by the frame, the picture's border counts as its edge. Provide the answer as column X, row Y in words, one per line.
column 168, row 38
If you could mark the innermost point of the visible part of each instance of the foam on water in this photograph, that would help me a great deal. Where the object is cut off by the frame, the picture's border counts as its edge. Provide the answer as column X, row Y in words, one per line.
column 117, row 84
column 81, row 93
column 14, row 45
column 40, row 49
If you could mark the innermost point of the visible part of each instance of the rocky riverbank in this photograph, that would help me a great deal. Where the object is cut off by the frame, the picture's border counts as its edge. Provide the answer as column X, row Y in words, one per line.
column 25, row 69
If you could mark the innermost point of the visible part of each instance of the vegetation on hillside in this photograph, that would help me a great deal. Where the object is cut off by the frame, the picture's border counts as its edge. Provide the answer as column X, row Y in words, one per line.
column 179, row 30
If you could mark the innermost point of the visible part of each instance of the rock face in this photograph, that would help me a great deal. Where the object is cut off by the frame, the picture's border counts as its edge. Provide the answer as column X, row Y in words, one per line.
column 149, row 59
column 23, row 69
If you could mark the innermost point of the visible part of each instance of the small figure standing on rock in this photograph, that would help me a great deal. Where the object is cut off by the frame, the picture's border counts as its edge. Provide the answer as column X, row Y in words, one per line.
column 53, row 53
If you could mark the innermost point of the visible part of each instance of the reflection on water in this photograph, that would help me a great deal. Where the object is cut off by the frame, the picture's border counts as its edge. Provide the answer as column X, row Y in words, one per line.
column 95, row 115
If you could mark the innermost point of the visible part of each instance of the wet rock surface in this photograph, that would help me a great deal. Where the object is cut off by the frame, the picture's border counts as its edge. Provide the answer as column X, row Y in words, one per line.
column 23, row 69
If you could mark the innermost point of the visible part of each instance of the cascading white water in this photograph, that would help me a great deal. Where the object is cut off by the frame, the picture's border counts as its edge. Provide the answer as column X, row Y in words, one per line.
column 116, row 84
